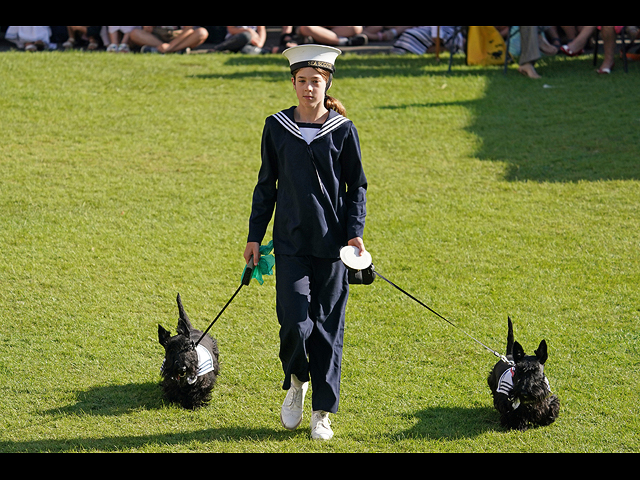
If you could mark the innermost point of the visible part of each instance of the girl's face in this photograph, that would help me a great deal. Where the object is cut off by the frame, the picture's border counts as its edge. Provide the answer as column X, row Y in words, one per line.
column 310, row 87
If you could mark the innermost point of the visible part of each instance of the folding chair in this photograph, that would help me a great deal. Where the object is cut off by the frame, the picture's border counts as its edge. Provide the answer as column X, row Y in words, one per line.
column 623, row 48
column 508, row 43
column 458, row 30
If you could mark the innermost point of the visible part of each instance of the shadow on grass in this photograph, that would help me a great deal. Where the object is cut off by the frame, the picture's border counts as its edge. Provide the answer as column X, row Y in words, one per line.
column 356, row 66
column 131, row 442
column 117, row 400
column 451, row 423
column 570, row 126
column 114, row 400
column 438, row 423
column 275, row 67
column 576, row 129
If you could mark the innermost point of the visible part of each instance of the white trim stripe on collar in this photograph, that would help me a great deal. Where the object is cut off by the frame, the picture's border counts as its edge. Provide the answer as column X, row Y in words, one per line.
column 291, row 126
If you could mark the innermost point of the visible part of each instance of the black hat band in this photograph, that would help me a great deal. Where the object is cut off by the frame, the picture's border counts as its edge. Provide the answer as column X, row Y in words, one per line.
column 314, row 64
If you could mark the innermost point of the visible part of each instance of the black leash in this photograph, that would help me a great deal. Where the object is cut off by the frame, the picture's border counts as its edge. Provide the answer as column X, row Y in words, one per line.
column 501, row 357
column 246, row 279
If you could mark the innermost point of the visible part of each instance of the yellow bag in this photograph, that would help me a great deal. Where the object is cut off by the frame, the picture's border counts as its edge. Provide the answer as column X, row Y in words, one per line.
column 485, row 46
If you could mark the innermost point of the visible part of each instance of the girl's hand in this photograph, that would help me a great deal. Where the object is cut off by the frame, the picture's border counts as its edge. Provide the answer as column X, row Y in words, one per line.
column 252, row 248
column 358, row 243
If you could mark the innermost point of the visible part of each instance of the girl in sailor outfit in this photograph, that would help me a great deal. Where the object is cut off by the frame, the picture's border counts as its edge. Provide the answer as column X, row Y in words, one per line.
column 312, row 176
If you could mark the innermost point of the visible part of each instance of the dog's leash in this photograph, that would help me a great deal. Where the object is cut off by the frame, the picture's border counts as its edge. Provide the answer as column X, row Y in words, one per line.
column 500, row 356
column 246, row 279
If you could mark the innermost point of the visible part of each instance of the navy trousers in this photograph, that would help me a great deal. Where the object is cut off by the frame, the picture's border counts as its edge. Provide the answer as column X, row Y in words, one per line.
column 311, row 298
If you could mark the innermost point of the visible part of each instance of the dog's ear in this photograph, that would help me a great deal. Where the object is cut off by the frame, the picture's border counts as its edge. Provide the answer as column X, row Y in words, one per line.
column 163, row 335
column 510, row 337
column 184, row 327
column 518, row 352
column 183, row 316
column 541, row 352
column 181, row 311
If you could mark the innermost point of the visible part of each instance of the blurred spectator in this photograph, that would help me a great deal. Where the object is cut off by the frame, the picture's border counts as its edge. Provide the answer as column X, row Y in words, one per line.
column 576, row 46
column 559, row 36
column 421, row 40
column 609, row 44
column 59, row 35
column 29, row 38
column 172, row 39
column 244, row 39
column 83, row 34
column 609, row 34
column 216, row 34
column 383, row 34
column 335, row 36
column 532, row 44
column 288, row 38
column 119, row 38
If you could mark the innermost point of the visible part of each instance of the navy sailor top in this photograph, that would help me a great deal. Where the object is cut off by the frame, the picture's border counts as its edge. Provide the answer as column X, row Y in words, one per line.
column 318, row 189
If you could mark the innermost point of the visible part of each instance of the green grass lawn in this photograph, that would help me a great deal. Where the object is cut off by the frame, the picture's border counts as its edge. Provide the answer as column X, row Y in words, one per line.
column 126, row 179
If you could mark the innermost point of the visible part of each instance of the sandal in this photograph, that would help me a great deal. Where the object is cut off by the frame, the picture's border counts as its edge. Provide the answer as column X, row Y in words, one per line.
column 570, row 53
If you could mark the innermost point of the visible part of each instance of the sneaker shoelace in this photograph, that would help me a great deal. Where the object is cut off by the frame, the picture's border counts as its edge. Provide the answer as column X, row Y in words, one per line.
column 323, row 420
column 294, row 397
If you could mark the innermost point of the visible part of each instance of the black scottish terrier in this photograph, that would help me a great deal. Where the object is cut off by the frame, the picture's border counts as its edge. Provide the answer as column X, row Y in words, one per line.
column 520, row 389
column 189, row 372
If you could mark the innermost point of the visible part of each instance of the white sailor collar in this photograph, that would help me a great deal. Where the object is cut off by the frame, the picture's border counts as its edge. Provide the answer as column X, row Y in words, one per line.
column 285, row 118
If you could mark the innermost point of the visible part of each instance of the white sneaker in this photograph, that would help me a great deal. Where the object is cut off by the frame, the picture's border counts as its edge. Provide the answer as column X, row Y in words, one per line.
column 291, row 411
column 321, row 426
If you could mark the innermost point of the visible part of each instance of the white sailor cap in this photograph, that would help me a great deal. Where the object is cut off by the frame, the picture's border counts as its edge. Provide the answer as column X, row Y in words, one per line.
column 317, row 56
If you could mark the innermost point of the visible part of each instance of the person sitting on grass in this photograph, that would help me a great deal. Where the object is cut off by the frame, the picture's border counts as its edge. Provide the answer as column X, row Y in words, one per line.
column 244, row 39
column 173, row 39
column 336, row 36
column 82, row 34
column 577, row 45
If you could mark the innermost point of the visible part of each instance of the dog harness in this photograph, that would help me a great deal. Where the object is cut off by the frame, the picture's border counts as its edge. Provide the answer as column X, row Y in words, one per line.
column 505, row 385
column 205, row 361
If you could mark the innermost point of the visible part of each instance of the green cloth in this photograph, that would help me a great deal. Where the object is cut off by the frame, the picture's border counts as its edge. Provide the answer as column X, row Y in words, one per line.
column 265, row 265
